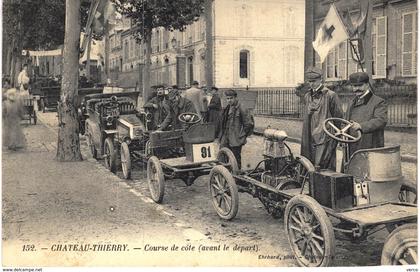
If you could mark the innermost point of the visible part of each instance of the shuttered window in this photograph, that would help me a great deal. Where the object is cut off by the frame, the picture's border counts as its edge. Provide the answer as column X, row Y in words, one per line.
column 409, row 44
column 337, row 62
column 380, row 49
column 342, row 60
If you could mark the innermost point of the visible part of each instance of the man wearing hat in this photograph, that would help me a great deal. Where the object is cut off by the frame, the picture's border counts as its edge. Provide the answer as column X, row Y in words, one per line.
column 157, row 107
column 368, row 112
column 198, row 98
column 176, row 105
column 235, row 125
column 215, row 106
column 320, row 103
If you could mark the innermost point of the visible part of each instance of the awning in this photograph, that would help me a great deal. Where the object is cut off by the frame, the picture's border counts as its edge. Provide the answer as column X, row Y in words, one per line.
column 56, row 52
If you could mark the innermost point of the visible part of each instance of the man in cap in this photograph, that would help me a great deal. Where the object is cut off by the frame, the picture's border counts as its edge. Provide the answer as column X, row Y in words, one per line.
column 176, row 105
column 368, row 112
column 215, row 106
column 320, row 103
column 198, row 98
column 235, row 126
column 157, row 107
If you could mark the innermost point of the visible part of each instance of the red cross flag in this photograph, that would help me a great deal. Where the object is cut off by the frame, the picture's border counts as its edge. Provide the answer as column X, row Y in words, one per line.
column 331, row 33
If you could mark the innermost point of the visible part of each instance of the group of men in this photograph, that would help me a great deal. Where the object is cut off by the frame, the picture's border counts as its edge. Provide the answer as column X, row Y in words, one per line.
column 367, row 113
column 233, row 124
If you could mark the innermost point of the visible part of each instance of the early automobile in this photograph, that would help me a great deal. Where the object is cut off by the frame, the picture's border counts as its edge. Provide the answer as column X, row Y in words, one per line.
column 358, row 201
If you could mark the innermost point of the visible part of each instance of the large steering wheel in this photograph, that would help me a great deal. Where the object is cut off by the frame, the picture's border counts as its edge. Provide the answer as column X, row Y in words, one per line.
column 338, row 134
column 189, row 118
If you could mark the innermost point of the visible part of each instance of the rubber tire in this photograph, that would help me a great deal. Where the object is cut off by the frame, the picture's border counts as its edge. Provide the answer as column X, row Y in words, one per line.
column 156, row 196
column 112, row 164
column 233, row 190
column 125, row 156
column 231, row 159
column 91, row 145
column 325, row 225
column 408, row 187
column 402, row 235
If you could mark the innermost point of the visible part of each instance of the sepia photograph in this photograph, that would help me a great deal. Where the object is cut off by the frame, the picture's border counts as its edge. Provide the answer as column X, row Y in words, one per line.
column 209, row 133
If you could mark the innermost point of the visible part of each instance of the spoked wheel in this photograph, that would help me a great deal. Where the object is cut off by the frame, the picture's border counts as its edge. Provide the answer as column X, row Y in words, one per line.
column 91, row 145
column 110, row 155
column 125, row 160
column 310, row 232
column 408, row 192
column 226, row 156
column 400, row 247
column 224, row 192
column 156, row 179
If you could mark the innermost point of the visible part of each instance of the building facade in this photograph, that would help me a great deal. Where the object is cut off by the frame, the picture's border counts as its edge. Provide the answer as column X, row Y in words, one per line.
column 393, row 41
column 237, row 44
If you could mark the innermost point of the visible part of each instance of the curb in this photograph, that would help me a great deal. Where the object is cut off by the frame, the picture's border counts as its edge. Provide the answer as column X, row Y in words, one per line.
column 404, row 157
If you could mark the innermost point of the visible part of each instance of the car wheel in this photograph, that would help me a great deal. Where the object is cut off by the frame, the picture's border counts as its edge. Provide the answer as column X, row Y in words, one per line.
column 224, row 192
column 309, row 231
column 110, row 155
column 400, row 248
column 156, row 179
column 227, row 157
column 125, row 160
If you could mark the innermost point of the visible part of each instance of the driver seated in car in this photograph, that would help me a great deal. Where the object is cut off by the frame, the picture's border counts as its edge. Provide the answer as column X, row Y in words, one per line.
column 176, row 105
column 368, row 112
column 157, row 107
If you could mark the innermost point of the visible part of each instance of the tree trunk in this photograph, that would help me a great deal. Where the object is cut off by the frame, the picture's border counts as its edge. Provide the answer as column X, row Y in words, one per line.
column 68, row 146
column 208, row 11
column 146, row 68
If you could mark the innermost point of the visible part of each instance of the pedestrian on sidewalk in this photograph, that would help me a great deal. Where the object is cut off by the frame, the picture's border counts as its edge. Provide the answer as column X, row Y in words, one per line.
column 236, row 124
column 368, row 112
column 23, row 79
column 320, row 103
column 13, row 137
column 198, row 98
column 215, row 106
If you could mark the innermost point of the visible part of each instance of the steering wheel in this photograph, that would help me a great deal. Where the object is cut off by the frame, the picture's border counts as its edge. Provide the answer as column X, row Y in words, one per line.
column 338, row 134
column 189, row 118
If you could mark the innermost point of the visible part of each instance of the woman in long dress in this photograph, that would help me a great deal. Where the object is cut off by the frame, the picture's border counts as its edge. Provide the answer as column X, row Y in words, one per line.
column 13, row 137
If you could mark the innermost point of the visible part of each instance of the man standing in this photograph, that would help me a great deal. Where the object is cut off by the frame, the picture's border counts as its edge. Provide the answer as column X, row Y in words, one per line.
column 198, row 98
column 215, row 106
column 320, row 103
column 175, row 106
column 368, row 112
column 236, row 125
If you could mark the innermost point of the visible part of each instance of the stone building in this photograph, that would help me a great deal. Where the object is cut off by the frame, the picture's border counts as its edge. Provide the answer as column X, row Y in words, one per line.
column 393, row 40
column 237, row 44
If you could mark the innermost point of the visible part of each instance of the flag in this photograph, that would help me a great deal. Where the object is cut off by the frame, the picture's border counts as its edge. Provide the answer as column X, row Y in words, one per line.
column 330, row 34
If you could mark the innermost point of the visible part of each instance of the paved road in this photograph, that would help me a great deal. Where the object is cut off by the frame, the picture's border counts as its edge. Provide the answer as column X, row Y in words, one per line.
column 103, row 208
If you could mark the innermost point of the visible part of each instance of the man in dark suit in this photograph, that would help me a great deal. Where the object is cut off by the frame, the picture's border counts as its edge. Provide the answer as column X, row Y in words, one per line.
column 175, row 105
column 368, row 112
column 215, row 106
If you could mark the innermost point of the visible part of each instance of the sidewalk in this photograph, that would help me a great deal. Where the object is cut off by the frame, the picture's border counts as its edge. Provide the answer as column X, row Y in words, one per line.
column 293, row 128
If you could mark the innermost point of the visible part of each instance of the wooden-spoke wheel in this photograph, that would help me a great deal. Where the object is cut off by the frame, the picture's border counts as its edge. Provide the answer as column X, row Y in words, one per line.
column 310, row 232
column 91, row 145
column 156, row 179
column 400, row 247
column 227, row 157
column 224, row 192
column 302, row 169
column 125, row 160
column 110, row 155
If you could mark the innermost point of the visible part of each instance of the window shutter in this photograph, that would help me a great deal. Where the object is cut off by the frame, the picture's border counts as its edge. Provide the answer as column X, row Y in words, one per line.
column 409, row 46
column 381, row 47
column 342, row 60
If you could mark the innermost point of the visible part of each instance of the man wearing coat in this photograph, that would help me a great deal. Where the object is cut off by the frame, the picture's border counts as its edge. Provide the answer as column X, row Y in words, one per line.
column 175, row 105
column 320, row 103
column 214, row 107
column 368, row 112
column 157, row 107
column 236, row 124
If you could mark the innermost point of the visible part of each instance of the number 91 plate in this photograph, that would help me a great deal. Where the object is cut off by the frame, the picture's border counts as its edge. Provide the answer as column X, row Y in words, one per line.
column 205, row 152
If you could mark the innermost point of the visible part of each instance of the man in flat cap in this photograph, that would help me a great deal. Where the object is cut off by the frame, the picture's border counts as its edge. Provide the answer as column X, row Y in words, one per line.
column 175, row 106
column 157, row 107
column 320, row 103
column 236, row 124
column 368, row 112
column 198, row 98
